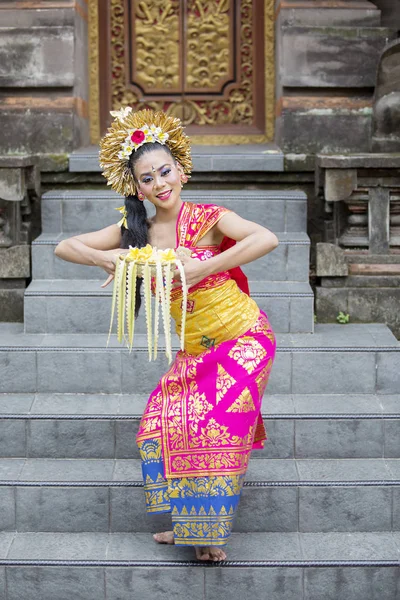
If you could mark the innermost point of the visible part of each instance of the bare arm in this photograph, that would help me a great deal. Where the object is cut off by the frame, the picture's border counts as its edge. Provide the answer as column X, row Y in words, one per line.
column 98, row 248
column 252, row 239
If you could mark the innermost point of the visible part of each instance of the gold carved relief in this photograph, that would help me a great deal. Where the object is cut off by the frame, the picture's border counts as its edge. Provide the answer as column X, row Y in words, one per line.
column 208, row 43
column 157, row 45
column 94, row 95
column 237, row 108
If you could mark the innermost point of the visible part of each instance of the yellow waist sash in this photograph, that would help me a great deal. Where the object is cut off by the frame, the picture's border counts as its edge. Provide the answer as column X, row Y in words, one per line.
column 214, row 315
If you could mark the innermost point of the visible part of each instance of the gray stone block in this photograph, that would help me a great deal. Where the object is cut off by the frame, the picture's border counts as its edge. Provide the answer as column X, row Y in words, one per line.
column 263, row 584
column 360, row 14
column 345, row 509
column 138, row 374
column 298, row 262
column 79, row 371
column 392, row 438
column 39, row 131
column 35, row 315
column 10, row 469
column 122, row 583
column 58, row 509
column 339, row 438
column 125, row 439
column 280, row 442
column 12, row 304
column 301, row 315
column 52, row 215
column 296, row 216
column 280, row 379
column 74, row 439
column 329, row 372
column 357, row 583
column 6, row 539
column 267, row 509
column 347, row 469
column 2, row 583
column 15, row 262
column 396, row 509
column 277, row 310
column 7, row 513
column 59, row 546
column 28, row 18
column 12, row 438
column 12, row 365
column 48, row 583
column 128, row 512
column 331, row 56
column 353, row 546
column 388, row 373
column 37, row 57
column 308, row 131
column 60, row 469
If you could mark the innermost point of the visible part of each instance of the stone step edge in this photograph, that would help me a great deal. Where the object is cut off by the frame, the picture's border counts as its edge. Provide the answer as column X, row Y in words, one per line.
column 143, row 349
column 137, row 417
column 251, row 484
column 106, row 194
column 282, row 241
column 75, row 294
column 193, row 563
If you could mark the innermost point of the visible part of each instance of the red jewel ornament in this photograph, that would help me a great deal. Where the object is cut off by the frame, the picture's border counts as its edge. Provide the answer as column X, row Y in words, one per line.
column 137, row 136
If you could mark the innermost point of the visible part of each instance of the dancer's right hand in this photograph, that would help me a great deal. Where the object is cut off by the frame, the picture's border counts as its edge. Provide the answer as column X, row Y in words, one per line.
column 108, row 263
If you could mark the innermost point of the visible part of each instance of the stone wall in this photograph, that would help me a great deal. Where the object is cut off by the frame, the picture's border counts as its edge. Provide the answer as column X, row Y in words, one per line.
column 43, row 79
column 327, row 53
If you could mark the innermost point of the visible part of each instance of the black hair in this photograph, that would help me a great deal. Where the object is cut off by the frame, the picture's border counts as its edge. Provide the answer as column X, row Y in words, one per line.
column 137, row 233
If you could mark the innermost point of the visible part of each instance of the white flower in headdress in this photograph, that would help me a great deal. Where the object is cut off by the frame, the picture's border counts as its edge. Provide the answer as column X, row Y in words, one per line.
column 162, row 137
column 122, row 113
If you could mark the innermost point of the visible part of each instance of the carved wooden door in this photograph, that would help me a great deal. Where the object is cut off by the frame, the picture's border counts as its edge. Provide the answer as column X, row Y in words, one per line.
column 201, row 60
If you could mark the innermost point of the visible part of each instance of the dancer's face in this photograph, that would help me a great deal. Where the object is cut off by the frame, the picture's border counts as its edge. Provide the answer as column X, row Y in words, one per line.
column 158, row 178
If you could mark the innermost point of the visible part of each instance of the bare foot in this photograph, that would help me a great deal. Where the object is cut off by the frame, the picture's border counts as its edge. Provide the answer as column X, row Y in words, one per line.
column 209, row 553
column 167, row 537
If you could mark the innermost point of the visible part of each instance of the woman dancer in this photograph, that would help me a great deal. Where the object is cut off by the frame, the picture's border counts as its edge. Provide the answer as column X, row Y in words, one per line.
column 203, row 419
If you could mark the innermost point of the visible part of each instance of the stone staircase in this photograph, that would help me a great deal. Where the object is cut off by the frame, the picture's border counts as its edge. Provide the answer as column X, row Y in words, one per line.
column 320, row 511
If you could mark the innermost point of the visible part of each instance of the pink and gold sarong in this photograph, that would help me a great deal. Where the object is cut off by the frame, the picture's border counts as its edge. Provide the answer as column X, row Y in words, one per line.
column 204, row 417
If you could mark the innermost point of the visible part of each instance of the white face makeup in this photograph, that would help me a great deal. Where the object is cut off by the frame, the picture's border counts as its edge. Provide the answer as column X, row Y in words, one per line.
column 158, row 178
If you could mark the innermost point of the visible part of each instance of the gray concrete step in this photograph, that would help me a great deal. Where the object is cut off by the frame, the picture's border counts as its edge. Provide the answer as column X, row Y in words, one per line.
column 304, row 426
column 335, row 359
column 251, row 157
column 274, row 565
column 278, row 495
column 89, row 210
column 288, row 262
column 82, row 306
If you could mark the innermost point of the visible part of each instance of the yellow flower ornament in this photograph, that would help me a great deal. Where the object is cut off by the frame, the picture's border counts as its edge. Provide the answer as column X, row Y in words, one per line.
column 146, row 263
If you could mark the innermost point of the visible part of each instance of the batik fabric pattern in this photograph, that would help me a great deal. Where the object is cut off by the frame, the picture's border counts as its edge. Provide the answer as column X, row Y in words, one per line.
column 204, row 417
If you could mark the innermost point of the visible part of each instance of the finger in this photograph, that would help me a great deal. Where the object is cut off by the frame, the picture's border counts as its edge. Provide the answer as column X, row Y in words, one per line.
column 108, row 280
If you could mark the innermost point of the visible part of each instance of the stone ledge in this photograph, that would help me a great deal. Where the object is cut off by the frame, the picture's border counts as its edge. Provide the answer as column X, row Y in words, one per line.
column 266, row 157
column 359, row 160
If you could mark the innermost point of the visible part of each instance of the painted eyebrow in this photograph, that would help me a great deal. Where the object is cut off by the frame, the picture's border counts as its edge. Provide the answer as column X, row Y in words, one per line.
column 149, row 173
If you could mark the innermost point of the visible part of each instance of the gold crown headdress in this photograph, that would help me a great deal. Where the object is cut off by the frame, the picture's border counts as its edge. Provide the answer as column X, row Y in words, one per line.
column 128, row 132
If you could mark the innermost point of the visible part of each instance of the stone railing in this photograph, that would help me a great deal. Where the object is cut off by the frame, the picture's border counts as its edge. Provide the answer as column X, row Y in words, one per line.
column 19, row 222
column 359, row 261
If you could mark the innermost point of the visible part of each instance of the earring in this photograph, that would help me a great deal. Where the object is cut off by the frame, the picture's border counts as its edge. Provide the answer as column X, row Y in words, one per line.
column 141, row 196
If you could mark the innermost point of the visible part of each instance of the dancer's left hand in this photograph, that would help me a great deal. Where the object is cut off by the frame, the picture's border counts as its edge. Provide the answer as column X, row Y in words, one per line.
column 195, row 270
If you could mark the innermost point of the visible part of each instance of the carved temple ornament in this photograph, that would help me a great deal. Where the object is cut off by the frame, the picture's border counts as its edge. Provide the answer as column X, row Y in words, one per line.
column 209, row 62
column 19, row 190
